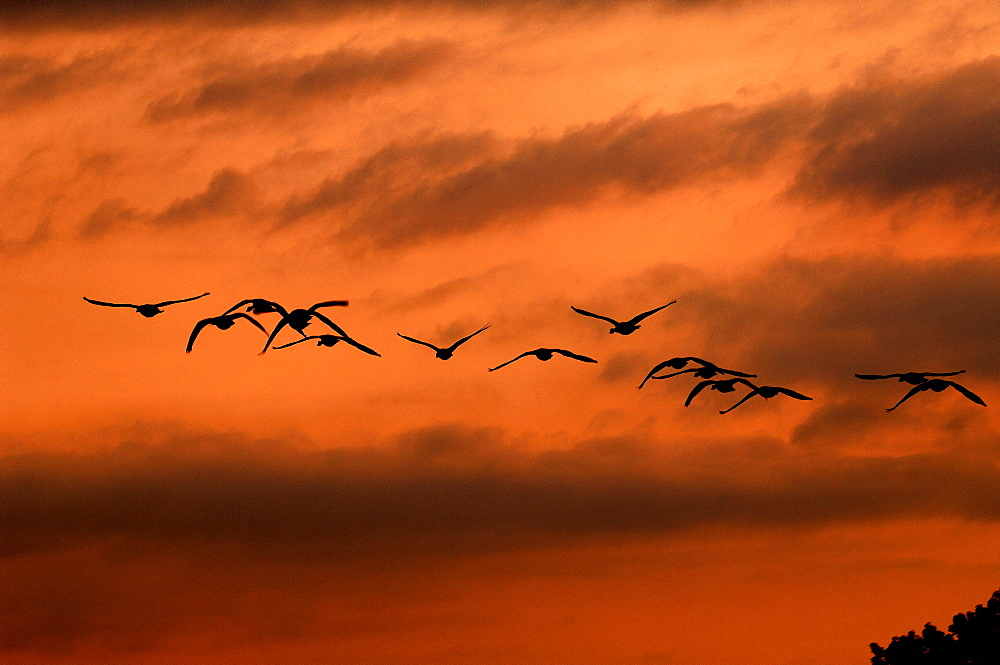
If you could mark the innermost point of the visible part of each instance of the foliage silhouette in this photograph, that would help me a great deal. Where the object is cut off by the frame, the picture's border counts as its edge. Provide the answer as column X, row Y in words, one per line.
column 973, row 639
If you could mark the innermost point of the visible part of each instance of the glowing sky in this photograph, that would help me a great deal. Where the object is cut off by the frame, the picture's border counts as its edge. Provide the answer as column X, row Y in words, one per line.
column 816, row 183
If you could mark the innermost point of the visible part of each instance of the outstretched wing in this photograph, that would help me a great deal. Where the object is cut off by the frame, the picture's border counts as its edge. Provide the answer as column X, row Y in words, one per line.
column 961, row 371
column 637, row 319
column 109, row 304
column 697, row 389
column 745, row 398
column 965, row 391
column 792, row 393
column 596, row 316
column 913, row 391
column 574, row 356
column 298, row 341
column 235, row 307
column 873, row 377
column 274, row 333
column 194, row 333
column 337, row 329
column 465, row 339
column 361, row 347
column 417, row 341
column 733, row 372
column 657, row 368
column 673, row 374
column 250, row 319
column 328, row 303
column 174, row 302
column 526, row 353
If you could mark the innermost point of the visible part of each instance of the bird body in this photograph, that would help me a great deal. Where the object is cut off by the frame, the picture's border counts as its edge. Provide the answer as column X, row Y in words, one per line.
column 937, row 385
column 446, row 352
column 332, row 340
column 706, row 371
column 913, row 378
column 546, row 354
column 258, row 306
column 622, row 327
column 298, row 319
column 767, row 392
column 721, row 385
column 223, row 322
column 148, row 310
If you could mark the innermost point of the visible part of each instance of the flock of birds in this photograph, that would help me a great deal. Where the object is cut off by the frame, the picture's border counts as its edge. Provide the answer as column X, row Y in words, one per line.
column 299, row 319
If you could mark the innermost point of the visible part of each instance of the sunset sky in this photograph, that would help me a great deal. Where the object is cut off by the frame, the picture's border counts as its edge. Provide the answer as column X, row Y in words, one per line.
column 816, row 183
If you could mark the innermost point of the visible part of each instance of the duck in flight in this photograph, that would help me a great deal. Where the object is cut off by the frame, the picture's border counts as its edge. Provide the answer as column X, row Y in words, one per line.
column 622, row 327
column 767, row 392
column 546, row 354
column 148, row 310
column 224, row 322
column 706, row 371
column 937, row 385
column 331, row 340
column 446, row 352
column 721, row 385
column 298, row 319
column 913, row 378
column 262, row 306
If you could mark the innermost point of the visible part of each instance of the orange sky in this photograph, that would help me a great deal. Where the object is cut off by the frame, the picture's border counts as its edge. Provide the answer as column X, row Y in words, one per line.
column 816, row 183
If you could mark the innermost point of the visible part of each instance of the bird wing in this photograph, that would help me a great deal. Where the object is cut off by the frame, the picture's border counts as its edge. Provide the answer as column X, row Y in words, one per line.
column 596, row 316
column 574, row 356
column 961, row 371
column 465, row 339
column 697, row 389
column 109, row 304
column 194, row 333
column 174, row 302
column 417, row 341
column 745, row 398
column 683, row 371
column 328, row 303
column 334, row 326
column 913, row 391
column 298, row 341
column 237, row 306
column 637, row 319
column 657, row 368
column 249, row 318
column 873, row 377
column 361, row 347
column 733, row 372
column 526, row 353
column 274, row 333
column 792, row 393
column 965, row 391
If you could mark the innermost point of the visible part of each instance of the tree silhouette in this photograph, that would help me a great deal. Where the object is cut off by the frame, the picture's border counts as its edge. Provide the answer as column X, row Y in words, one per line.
column 973, row 639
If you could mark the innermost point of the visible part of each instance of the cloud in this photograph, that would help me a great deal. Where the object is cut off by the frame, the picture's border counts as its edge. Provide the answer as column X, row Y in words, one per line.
column 627, row 154
column 27, row 81
column 452, row 489
column 891, row 140
column 286, row 85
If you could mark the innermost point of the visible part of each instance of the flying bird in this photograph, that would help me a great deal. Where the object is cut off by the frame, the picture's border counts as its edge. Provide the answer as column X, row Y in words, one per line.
column 706, row 371
column 331, row 340
column 622, row 327
column 767, row 392
column 546, row 354
column 913, row 378
column 937, row 385
column 446, row 352
column 298, row 319
column 148, row 310
column 260, row 306
column 224, row 322
column 721, row 385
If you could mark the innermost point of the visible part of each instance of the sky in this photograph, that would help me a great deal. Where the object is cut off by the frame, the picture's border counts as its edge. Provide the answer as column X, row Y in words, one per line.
column 815, row 182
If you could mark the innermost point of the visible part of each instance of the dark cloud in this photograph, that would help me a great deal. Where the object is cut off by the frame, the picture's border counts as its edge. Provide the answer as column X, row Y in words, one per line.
column 292, row 83
column 627, row 154
column 902, row 138
column 450, row 489
column 27, row 81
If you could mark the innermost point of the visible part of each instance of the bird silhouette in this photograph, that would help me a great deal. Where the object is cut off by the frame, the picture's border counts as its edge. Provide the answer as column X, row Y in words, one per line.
column 298, row 319
column 223, row 322
column 260, row 306
column 767, row 392
column 622, row 327
column 331, row 340
column 721, row 385
column 446, row 352
column 937, row 385
column 706, row 371
column 546, row 354
column 148, row 310
column 913, row 378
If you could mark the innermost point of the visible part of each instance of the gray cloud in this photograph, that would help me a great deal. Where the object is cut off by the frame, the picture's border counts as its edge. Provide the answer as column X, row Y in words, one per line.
column 27, row 81
column 289, row 84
